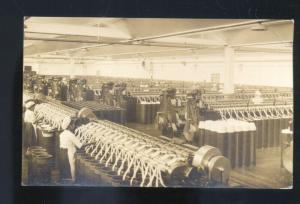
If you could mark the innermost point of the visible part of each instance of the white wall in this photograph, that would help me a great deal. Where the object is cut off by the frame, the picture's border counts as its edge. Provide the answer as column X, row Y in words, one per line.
column 263, row 69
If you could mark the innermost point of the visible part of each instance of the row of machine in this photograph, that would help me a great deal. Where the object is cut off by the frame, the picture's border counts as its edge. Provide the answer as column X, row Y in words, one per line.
column 121, row 156
column 236, row 124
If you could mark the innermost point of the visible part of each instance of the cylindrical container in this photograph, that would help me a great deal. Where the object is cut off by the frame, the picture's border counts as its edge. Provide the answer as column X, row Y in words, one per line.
column 264, row 133
column 246, row 144
column 252, row 144
column 114, row 114
column 237, row 143
column 41, row 168
column 229, row 142
column 29, row 155
column 207, row 132
column 149, row 113
column 123, row 114
column 48, row 141
column 215, row 133
column 138, row 112
column 200, row 134
column 221, row 131
column 276, row 132
column 258, row 124
column 270, row 132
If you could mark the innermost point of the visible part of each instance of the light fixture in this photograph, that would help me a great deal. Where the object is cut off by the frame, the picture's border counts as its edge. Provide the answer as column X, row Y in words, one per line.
column 137, row 42
column 258, row 27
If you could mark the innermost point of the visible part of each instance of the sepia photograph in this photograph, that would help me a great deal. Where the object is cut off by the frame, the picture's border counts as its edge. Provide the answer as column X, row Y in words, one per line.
column 157, row 102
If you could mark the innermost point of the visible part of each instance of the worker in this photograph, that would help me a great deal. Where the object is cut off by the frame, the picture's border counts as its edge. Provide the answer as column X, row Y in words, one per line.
column 109, row 94
column 193, row 114
column 68, row 144
column 64, row 89
column 257, row 98
column 167, row 118
column 30, row 138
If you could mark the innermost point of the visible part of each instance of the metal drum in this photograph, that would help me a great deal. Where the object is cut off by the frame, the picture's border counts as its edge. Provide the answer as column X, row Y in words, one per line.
column 235, row 139
column 40, row 170
column 48, row 140
column 201, row 133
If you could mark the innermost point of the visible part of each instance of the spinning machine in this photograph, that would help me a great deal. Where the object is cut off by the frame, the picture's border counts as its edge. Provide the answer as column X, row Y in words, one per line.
column 122, row 156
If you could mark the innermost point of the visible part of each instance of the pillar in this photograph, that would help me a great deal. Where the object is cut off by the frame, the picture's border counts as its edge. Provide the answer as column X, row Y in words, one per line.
column 228, row 69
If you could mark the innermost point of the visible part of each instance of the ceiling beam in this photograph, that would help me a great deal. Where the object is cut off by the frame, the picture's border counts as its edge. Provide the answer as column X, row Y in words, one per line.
column 266, row 50
column 65, row 29
column 159, row 37
column 262, row 43
column 142, row 43
column 194, row 31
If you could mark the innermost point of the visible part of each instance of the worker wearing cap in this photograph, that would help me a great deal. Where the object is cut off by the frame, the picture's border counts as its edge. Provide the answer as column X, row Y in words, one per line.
column 30, row 138
column 68, row 145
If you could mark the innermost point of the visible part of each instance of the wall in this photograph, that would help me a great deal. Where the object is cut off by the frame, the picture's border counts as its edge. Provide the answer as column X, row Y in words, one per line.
column 256, row 69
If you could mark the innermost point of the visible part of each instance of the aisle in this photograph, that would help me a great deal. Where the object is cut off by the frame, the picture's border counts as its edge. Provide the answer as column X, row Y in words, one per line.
column 266, row 174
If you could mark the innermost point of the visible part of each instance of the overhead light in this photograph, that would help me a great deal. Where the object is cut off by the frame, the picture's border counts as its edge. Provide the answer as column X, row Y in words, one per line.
column 259, row 27
column 137, row 42
column 85, row 49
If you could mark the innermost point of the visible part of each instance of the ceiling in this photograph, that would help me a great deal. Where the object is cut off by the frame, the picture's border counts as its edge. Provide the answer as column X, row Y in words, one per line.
column 129, row 38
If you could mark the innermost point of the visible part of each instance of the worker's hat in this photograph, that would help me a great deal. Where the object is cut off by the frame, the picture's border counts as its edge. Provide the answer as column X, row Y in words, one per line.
column 66, row 122
column 29, row 104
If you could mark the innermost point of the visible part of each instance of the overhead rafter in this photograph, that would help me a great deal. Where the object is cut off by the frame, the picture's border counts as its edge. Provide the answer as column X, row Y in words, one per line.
column 65, row 29
column 171, row 40
column 142, row 43
column 207, row 29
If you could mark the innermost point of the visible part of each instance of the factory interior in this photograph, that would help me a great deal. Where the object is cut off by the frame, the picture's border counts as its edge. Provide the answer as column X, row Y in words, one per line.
column 140, row 102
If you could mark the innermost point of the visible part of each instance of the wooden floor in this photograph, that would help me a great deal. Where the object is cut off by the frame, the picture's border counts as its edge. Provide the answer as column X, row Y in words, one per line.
column 266, row 174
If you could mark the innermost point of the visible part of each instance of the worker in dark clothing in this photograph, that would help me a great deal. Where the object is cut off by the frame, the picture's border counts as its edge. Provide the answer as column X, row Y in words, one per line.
column 64, row 90
column 109, row 94
column 168, row 119
column 193, row 114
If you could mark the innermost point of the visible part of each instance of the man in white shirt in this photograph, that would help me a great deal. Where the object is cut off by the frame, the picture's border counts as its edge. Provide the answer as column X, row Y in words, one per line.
column 29, row 122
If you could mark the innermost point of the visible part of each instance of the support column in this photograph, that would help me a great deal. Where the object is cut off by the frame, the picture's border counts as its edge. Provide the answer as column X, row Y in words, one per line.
column 38, row 68
column 228, row 69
